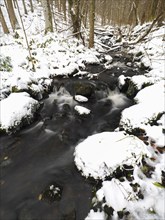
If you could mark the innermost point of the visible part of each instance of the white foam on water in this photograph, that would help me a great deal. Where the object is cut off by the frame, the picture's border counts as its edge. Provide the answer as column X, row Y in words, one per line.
column 61, row 97
column 118, row 99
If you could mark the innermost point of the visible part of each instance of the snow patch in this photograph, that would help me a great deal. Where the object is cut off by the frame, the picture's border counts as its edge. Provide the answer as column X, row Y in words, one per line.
column 96, row 215
column 15, row 108
column 147, row 110
column 100, row 154
column 80, row 98
column 82, row 110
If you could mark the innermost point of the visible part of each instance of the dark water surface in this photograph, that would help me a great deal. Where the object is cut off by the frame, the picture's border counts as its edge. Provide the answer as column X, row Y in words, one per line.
column 41, row 155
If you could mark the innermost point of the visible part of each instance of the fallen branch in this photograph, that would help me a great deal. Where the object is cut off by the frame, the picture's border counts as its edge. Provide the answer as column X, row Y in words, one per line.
column 103, row 45
column 27, row 43
column 147, row 31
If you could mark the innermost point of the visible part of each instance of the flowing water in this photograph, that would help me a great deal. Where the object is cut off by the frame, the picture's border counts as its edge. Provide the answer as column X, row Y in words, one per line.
column 40, row 156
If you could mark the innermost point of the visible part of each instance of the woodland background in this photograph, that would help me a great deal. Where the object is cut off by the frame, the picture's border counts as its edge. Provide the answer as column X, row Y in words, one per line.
column 83, row 15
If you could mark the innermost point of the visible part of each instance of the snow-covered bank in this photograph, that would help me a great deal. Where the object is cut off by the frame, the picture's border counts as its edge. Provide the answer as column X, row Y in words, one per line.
column 136, row 173
column 17, row 110
column 135, row 192
column 149, row 108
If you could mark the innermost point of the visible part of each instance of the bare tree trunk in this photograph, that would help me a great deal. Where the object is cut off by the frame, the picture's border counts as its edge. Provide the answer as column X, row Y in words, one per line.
column 31, row 6
column 53, row 13
column 11, row 13
column 160, row 8
column 64, row 8
column 24, row 6
column 84, row 12
column 47, row 15
column 14, row 3
column 3, row 22
column 75, row 16
column 91, row 22
column 136, row 13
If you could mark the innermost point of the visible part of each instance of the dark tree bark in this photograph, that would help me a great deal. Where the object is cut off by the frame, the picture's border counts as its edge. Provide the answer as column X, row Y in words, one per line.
column 31, row 6
column 11, row 13
column 75, row 16
column 3, row 22
column 47, row 16
column 91, row 22
column 24, row 6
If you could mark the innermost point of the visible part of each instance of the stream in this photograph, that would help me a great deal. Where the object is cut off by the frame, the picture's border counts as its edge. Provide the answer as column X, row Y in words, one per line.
column 39, row 180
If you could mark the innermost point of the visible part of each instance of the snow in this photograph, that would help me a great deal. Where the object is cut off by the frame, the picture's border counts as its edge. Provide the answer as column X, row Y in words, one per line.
column 108, row 58
column 125, row 198
column 80, row 98
column 146, row 111
column 108, row 151
column 138, row 80
column 53, row 54
column 89, row 57
column 70, row 69
column 96, row 215
column 157, row 90
column 100, row 154
column 121, row 81
column 154, row 52
column 155, row 133
column 15, row 108
column 122, row 193
column 82, row 110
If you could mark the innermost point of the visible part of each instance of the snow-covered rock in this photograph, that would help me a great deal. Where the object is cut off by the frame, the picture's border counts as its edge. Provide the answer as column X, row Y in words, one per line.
column 89, row 57
column 157, row 92
column 156, row 134
column 150, row 106
column 80, row 98
column 82, row 110
column 123, row 196
column 138, row 81
column 71, row 69
column 96, row 215
column 126, row 197
column 17, row 109
column 141, row 81
column 100, row 154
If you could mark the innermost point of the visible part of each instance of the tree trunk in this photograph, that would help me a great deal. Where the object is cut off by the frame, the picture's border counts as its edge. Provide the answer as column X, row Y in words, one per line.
column 3, row 22
column 12, row 16
column 91, row 22
column 47, row 15
column 64, row 8
column 24, row 6
column 31, row 6
column 75, row 16
column 84, row 12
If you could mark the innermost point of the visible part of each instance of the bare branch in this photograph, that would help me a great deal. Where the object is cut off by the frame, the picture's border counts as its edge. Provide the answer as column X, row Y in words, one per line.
column 148, row 30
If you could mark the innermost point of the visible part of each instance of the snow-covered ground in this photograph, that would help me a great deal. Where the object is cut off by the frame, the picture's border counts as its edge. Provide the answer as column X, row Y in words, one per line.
column 101, row 154
column 53, row 54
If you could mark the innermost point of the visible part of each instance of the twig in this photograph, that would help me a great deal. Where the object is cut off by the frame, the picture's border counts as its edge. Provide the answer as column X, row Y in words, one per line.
column 30, row 55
